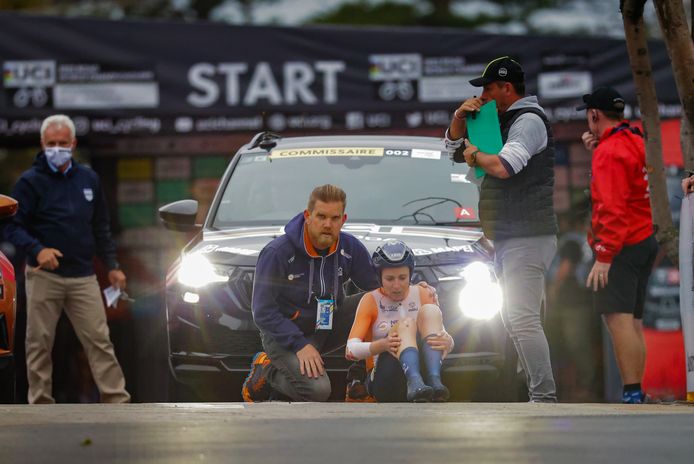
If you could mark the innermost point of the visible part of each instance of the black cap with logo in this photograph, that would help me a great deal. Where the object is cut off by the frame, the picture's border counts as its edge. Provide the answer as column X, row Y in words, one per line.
column 500, row 69
column 603, row 98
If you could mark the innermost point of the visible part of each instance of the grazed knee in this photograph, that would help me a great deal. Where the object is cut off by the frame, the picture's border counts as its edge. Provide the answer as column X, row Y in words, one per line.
column 407, row 325
column 429, row 312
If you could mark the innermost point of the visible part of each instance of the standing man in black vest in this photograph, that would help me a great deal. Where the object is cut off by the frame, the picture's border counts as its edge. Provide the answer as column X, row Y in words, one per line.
column 516, row 209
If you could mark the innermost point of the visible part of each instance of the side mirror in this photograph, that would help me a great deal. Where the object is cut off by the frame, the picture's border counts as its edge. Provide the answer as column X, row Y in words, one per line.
column 8, row 206
column 180, row 215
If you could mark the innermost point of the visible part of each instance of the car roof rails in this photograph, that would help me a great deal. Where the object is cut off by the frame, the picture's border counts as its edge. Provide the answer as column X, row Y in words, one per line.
column 266, row 140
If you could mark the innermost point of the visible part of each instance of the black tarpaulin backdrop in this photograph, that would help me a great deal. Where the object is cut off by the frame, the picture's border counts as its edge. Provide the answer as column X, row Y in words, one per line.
column 154, row 77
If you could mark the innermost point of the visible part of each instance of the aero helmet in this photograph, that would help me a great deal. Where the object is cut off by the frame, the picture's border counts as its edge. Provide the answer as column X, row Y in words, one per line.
column 393, row 253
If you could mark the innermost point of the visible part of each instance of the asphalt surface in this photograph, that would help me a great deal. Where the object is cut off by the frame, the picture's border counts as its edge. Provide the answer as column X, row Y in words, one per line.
column 350, row 433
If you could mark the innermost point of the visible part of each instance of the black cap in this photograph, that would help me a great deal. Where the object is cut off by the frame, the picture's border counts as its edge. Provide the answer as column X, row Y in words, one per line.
column 603, row 98
column 500, row 69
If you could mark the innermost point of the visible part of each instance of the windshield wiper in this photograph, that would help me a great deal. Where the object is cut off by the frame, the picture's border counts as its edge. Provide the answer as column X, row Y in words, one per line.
column 420, row 211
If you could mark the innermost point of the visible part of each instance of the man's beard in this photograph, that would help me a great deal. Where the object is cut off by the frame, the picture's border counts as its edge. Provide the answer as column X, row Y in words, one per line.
column 325, row 240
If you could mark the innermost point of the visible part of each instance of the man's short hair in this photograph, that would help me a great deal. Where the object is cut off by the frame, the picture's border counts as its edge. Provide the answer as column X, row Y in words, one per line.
column 58, row 120
column 518, row 87
column 613, row 115
column 327, row 193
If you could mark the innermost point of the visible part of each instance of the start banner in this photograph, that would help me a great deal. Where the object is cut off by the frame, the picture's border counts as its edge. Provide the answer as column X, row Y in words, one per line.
column 129, row 77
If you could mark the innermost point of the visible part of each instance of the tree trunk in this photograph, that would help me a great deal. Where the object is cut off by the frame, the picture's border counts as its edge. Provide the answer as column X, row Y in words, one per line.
column 673, row 23
column 637, row 47
column 686, row 138
column 686, row 134
column 247, row 11
column 203, row 8
column 442, row 8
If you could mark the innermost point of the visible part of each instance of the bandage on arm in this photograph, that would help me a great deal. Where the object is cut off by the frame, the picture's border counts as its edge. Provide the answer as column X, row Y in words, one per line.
column 363, row 321
column 358, row 348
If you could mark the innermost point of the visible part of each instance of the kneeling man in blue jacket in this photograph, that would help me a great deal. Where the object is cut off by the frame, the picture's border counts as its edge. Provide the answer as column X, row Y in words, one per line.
column 298, row 301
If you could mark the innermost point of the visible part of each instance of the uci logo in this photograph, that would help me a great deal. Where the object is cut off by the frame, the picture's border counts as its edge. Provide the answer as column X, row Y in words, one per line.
column 36, row 73
column 395, row 67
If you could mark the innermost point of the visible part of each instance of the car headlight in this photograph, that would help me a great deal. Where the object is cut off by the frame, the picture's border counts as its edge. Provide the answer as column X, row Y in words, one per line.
column 196, row 271
column 481, row 297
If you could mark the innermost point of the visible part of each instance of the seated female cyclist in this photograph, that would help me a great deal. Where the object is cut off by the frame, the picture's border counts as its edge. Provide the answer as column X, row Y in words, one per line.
column 392, row 324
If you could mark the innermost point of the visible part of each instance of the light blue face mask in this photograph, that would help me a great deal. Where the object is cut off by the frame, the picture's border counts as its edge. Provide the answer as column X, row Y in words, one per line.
column 58, row 156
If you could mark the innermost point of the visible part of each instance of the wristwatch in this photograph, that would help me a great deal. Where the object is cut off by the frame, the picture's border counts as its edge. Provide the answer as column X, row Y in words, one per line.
column 474, row 157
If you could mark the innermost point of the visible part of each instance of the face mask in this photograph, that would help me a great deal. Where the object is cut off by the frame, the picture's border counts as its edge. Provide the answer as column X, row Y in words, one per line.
column 58, row 156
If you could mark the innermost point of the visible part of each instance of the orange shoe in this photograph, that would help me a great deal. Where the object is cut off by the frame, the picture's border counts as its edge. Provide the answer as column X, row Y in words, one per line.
column 255, row 387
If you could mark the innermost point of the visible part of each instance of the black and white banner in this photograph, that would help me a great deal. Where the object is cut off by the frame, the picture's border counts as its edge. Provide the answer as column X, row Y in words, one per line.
column 137, row 77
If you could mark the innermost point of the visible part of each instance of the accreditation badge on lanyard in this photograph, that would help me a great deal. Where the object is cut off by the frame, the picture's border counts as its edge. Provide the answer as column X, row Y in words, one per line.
column 324, row 315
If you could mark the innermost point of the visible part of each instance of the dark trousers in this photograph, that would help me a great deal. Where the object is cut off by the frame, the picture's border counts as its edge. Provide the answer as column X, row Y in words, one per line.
column 387, row 382
column 284, row 372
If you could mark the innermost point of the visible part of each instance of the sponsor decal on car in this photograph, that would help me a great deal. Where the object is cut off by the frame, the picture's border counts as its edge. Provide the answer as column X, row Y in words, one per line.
column 326, row 151
column 459, row 178
column 227, row 249
column 399, row 152
column 465, row 213
column 444, row 249
column 426, row 154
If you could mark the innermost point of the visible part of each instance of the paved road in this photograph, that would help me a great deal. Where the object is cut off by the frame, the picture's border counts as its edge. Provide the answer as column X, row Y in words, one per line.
column 351, row 433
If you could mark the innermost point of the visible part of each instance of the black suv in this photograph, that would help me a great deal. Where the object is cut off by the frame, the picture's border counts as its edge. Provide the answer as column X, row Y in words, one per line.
column 400, row 187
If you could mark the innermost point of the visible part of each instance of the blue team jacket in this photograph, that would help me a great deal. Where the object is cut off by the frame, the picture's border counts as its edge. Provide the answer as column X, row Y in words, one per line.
column 63, row 211
column 290, row 277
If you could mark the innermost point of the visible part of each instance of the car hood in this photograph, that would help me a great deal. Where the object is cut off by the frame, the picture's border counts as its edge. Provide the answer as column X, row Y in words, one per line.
column 431, row 245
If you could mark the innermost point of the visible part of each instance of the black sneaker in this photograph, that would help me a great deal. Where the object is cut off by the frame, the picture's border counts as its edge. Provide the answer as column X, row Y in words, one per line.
column 419, row 392
column 441, row 393
column 255, row 387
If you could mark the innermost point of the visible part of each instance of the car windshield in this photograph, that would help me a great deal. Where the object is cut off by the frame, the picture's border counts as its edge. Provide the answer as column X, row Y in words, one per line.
column 383, row 185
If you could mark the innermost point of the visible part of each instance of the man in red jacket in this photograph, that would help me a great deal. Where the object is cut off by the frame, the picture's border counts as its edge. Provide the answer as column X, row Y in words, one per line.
column 621, row 233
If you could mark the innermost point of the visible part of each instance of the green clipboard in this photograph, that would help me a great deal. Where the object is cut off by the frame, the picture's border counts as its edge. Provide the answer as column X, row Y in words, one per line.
column 484, row 131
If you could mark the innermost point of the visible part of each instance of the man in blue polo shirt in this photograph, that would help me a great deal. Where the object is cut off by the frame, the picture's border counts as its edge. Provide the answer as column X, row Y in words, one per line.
column 62, row 222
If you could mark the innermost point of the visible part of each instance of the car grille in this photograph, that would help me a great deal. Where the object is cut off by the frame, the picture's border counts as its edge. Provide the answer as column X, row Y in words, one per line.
column 241, row 286
column 237, row 342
